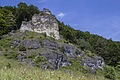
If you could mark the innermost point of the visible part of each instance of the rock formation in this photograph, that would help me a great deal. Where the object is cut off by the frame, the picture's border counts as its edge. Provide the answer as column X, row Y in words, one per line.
column 44, row 22
column 45, row 52
column 93, row 63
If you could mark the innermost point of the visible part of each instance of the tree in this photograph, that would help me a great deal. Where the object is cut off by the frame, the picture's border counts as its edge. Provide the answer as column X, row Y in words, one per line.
column 11, row 21
column 25, row 13
column 21, row 13
column 7, row 21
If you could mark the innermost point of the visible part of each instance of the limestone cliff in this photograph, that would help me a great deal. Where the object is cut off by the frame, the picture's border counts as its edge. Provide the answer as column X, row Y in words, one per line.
column 44, row 22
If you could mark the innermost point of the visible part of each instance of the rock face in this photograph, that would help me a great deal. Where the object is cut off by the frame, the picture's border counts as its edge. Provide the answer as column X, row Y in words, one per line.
column 44, row 22
column 53, row 52
column 49, row 44
column 93, row 63
column 56, row 60
column 30, row 44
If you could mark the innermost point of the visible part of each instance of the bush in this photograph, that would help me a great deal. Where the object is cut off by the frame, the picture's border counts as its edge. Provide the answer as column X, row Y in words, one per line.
column 39, row 59
column 109, row 72
column 118, row 66
column 30, row 56
column 22, row 48
column 0, row 48
column 8, row 65
column 11, row 55
column 89, row 53
column 62, row 49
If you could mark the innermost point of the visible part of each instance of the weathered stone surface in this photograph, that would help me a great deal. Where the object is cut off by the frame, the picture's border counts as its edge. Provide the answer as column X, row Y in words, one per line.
column 43, row 22
column 15, row 43
column 49, row 44
column 93, row 63
column 71, row 51
column 56, row 59
column 22, row 58
column 12, row 32
column 29, row 61
column 18, row 35
column 1, row 52
column 56, row 55
column 30, row 44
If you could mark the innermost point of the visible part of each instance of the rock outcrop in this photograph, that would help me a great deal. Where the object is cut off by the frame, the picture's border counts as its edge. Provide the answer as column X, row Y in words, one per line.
column 30, row 44
column 44, row 22
column 93, row 63
column 45, row 52
column 53, row 52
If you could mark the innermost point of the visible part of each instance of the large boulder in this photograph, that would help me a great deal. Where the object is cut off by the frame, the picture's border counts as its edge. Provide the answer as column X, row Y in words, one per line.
column 71, row 51
column 93, row 63
column 44, row 22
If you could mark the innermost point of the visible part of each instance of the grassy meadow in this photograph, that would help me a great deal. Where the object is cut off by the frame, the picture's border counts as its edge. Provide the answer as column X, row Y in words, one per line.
column 12, row 70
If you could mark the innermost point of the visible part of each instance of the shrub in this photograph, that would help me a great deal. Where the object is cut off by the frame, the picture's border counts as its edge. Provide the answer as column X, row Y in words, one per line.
column 62, row 49
column 76, row 52
column 5, row 42
column 30, row 56
column 11, row 55
column 22, row 48
column 8, row 65
column 118, row 66
column 39, row 59
column 109, row 72
column 0, row 48
column 89, row 53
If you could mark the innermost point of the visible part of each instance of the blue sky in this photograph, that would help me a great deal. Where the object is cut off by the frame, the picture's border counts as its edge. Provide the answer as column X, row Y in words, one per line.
column 100, row 17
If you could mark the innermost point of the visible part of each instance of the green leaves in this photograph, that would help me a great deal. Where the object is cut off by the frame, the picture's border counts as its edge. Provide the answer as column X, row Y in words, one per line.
column 109, row 72
column 25, row 12
column 7, row 21
column 12, row 17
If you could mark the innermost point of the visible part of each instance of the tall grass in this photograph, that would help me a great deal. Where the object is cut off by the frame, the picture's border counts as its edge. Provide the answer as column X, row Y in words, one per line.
column 12, row 70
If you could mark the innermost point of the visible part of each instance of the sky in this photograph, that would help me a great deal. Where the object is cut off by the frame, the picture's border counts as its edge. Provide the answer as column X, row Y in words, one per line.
column 100, row 17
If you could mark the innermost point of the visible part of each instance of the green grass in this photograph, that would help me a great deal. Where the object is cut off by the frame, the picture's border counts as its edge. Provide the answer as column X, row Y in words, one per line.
column 12, row 70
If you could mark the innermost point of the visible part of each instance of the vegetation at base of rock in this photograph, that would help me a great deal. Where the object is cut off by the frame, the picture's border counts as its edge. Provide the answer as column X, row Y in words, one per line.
column 0, row 48
column 5, row 42
column 30, row 56
column 11, row 55
column 62, row 49
column 89, row 53
column 109, row 72
column 39, row 59
column 20, row 71
column 22, row 48
column 76, row 66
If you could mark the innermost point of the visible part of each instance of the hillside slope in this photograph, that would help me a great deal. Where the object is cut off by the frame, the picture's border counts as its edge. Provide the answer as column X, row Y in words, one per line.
column 37, row 43
column 12, row 70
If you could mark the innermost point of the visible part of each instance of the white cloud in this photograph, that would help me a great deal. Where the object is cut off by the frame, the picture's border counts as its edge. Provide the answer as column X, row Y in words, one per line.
column 61, row 15
column 40, row 1
column 43, row 1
